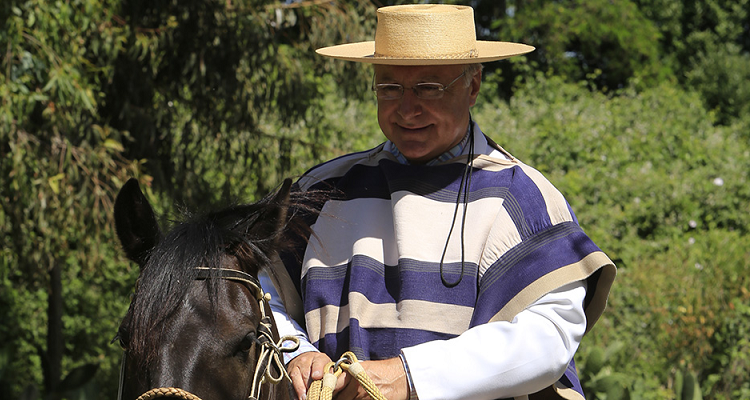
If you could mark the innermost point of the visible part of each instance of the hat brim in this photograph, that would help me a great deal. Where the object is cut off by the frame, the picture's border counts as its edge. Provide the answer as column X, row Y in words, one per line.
column 364, row 52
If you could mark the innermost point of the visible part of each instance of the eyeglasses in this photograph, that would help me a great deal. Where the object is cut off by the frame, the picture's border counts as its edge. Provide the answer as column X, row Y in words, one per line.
column 426, row 90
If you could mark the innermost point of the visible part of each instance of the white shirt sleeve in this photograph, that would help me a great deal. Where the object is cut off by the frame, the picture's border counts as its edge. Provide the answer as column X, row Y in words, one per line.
column 284, row 323
column 503, row 359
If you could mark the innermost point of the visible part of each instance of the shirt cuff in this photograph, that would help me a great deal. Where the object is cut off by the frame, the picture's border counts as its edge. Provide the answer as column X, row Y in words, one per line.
column 412, row 391
column 304, row 347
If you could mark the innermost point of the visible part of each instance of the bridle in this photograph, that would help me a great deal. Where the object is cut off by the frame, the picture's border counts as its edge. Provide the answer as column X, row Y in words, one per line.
column 269, row 356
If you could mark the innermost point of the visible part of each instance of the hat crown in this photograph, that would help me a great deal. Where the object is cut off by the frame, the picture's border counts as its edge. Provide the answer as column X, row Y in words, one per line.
column 426, row 31
column 425, row 34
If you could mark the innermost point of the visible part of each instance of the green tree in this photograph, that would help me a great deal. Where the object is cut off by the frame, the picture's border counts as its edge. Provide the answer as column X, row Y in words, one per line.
column 60, row 165
column 200, row 77
column 707, row 43
column 603, row 42
column 192, row 98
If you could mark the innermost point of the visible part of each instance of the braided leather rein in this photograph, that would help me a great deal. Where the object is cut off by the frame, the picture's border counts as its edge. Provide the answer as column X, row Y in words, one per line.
column 168, row 392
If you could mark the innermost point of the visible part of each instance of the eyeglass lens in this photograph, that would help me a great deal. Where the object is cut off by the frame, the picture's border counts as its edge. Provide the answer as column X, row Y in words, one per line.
column 427, row 90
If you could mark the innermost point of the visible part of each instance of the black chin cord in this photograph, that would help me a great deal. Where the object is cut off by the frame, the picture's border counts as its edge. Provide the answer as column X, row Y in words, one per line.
column 463, row 187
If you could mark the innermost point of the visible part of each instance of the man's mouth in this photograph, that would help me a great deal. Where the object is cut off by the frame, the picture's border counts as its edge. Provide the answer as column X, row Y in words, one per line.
column 414, row 129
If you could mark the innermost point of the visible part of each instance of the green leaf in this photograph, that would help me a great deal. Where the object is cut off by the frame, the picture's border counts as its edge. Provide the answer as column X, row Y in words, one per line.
column 54, row 182
column 595, row 361
column 113, row 145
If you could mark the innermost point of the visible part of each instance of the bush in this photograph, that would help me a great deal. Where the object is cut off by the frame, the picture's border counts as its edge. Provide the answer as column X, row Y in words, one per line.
column 665, row 193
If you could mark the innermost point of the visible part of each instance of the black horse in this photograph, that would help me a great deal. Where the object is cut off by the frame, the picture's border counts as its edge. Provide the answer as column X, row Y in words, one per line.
column 199, row 325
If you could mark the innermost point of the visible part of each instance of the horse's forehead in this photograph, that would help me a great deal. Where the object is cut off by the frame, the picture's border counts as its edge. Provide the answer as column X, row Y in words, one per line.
column 230, row 261
column 229, row 296
column 242, row 262
column 232, row 299
column 200, row 322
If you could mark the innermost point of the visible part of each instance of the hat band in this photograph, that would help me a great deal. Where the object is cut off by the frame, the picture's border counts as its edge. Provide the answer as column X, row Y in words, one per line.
column 473, row 53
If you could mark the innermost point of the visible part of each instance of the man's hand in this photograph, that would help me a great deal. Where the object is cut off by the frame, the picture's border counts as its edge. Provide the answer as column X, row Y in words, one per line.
column 306, row 368
column 388, row 375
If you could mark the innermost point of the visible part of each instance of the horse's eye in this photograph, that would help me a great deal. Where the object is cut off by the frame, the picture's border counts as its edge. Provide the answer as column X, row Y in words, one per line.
column 247, row 343
column 121, row 338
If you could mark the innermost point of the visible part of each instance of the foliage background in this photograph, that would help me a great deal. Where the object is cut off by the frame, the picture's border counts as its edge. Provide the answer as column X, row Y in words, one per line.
column 638, row 110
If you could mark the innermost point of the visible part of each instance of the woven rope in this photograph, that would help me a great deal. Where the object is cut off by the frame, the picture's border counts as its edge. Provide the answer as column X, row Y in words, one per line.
column 168, row 392
column 323, row 389
column 314, row 392
column 369, row 386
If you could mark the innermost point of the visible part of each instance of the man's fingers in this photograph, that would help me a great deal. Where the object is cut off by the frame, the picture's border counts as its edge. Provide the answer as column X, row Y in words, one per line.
column 346, row 387
column 317, row 369
column 304, row 369
column 299, row 382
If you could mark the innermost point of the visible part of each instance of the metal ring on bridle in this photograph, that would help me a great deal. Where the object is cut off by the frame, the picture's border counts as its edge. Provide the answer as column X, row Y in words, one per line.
column 345, row 359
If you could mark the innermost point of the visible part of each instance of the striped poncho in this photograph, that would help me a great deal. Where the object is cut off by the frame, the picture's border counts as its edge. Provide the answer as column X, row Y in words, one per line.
column 380, row 272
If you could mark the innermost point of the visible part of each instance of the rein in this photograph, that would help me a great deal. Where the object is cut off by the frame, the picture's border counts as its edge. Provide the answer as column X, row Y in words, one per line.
column 323, row 389
column 269, row 357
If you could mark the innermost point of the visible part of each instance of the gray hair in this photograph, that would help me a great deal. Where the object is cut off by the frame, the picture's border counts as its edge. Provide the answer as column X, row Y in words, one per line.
column 469, row 71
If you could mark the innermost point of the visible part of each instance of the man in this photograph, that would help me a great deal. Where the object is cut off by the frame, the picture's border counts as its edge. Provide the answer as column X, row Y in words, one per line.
column 453, row 269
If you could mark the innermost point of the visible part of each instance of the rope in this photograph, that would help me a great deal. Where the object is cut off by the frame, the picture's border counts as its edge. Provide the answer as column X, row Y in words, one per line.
column 323, row 389
column 269, row 357
column 168, row 392
column 463, row 187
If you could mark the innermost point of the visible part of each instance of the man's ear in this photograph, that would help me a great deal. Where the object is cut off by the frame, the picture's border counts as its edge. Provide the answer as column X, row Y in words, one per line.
column 476, row 83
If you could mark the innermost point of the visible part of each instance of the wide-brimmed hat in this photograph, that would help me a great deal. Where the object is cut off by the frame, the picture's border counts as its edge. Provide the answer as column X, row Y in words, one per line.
column 425, row 34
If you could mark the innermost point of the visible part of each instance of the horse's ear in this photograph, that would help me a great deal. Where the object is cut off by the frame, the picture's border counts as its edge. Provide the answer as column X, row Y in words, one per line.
column 273, row 222
column 282, row 200
column 135, row 222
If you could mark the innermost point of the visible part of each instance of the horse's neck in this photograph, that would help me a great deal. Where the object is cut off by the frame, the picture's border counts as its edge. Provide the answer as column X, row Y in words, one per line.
column 282, row 391
column 286, row 289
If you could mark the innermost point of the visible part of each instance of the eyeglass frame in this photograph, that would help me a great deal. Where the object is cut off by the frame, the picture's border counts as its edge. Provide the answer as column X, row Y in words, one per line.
column 439, row 86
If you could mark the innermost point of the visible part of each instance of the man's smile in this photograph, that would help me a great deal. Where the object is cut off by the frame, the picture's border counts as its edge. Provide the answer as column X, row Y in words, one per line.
column 414, row 129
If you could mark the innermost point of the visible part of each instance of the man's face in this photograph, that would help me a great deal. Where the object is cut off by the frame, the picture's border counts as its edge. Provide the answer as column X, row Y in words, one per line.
column 423, row 129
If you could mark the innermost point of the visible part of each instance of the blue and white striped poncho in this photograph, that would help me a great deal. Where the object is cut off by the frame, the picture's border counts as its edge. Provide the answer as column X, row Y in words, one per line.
column 370, row 279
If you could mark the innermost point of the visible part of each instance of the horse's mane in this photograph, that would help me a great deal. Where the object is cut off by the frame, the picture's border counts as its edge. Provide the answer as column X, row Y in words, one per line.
column 203, row 240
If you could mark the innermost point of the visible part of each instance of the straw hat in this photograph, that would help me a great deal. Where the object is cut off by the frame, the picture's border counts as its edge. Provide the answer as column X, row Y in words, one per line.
column 425, row 34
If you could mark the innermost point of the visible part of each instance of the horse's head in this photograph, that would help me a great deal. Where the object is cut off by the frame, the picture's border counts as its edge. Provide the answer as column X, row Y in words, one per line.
column 196, row 318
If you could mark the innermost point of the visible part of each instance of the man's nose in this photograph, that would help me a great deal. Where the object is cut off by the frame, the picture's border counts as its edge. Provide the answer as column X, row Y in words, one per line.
column 409, row 105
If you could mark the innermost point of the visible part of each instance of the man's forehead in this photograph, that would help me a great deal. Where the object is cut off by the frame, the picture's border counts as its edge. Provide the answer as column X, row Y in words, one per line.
column 416, row 72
